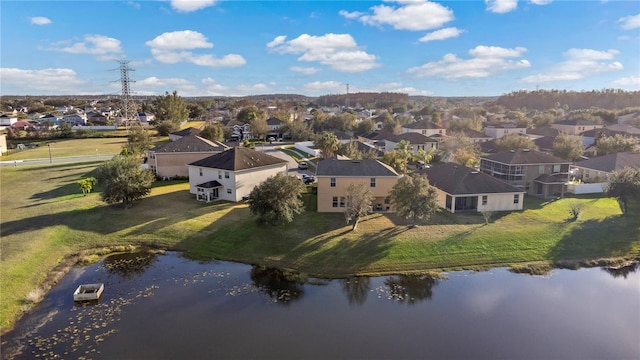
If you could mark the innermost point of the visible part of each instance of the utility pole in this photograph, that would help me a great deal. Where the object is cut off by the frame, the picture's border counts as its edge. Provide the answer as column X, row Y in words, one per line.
column 50, row 159
column 346, row 101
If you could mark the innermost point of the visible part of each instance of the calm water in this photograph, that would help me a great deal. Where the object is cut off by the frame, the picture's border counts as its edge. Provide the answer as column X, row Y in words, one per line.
column 168, row 307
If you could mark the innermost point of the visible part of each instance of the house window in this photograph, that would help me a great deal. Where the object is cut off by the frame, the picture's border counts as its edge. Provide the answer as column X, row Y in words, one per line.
column 373, row 182
column 556, row 168
column 228, row 191
column 448, row 202
column 541, row 169
column 226, row 174
column 335, row 201
column 516, row 198
column 424, row 132
column 333, row 182
column 485, row 199
column 200, row 171
column 342, row 201
column 219, row 174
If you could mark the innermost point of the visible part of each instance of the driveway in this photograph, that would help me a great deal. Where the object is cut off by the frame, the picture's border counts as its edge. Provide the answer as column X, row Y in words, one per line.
column 293, row 164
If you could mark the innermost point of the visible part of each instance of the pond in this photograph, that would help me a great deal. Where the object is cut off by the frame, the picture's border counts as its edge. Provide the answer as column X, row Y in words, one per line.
column 164, row 306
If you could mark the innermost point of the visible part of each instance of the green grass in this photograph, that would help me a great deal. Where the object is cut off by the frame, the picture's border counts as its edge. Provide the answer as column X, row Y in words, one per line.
column 45, row 218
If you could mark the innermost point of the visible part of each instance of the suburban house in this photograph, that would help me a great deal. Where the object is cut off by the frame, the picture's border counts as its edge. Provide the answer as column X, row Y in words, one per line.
column 589, row 176
column 239, row 130
column 463, row 189
column 3, row 144
column 533, row 171
column 496, row 131
column 75, row 119
column 424, row 127
column 232, row 174
column 170, row 160
column 273, row 124
column 146, row 118
column 417, row 140
column 475, row 136
column 184, row 132
column 6, row 120
column 576, row 126
column 542, row 131
column 335, row 175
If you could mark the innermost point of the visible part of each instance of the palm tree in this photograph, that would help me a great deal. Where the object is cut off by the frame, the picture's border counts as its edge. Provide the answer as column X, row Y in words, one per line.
column 328, row 144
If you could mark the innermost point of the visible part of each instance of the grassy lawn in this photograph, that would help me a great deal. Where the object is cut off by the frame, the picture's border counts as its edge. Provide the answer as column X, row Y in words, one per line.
column 45, row 218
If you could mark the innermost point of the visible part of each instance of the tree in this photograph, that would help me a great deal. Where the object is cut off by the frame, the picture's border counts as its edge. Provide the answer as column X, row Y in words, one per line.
column 328, row 144
column 404, row 151
column 277, row 200
column 86, row 185
column 213, row 132
column 514, row 142
column 249, row 114
column 624, row 185
column 414, row 198
column 171, row 108
column 138, row 140
column 124, row 180
column 298, row 130
column 259, row 128
column 365, row 126
column 613, row 144
column 166, row 127
column 568, row 147
column 359, row 199
column 196, row 111
column 425, row 155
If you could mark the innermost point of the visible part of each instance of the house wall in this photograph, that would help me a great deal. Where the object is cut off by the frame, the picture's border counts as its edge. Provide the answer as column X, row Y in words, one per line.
column 425, row 132
column 3, row 143
column 593, row 188
column 588, row 175
column 174, row 164
column 495, row 202
column 390, row 146
column 240, row 182
column 326, row 192
column 497, row 133
column 575, row 129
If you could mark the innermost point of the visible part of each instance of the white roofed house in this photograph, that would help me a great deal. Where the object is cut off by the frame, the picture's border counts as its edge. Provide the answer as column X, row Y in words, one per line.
column 232, row 174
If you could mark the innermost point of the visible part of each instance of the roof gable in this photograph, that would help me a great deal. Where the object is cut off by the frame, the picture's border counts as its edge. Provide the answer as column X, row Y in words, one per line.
column 354, row 168
column 238, row 158
column 456, row 179
column 186, row 132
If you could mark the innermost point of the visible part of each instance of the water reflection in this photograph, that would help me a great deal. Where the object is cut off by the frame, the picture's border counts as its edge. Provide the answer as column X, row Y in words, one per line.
column 356, row 289
column 411, row 288
column 129, row 264
column 282, row 287
column 622, row 271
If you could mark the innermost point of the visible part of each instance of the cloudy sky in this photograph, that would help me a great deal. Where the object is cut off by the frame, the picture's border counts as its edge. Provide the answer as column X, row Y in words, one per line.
column 233, row 48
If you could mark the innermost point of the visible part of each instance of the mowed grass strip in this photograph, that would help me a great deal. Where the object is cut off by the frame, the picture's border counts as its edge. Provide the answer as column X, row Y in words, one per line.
column 45, row 218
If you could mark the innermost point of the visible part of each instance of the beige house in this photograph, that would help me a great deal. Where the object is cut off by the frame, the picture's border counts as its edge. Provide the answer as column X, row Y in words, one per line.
column 232, row 174
column 334, row 177
column 425, row 127
column 496, row 131
column 3, row 144
column 463, row 189
column 170, row 160
column 417, row 141
column 576, row 126
column 598, row 169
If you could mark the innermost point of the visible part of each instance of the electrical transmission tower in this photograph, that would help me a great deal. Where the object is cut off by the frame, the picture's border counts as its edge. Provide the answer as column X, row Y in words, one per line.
column 346, row 101
column 128, row 106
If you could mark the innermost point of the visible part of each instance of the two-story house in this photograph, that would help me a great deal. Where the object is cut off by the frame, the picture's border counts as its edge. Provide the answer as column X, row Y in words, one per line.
column 535, row 172
column 232, row 174
column 576, row 126
column 496, row 131
column 417, row 140
column 424, row 127
column 170, row 160
column 335, row 175
column 273, row 125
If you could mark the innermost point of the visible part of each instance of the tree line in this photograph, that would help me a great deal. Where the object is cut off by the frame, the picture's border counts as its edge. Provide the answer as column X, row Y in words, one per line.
column 550, row 99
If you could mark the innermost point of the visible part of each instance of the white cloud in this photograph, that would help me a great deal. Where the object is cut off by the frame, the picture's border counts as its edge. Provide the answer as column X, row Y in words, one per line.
column 630, row 22
column 304, row 70
column 135, row 5
column 191, row 5
column 40, row 20
column 155, row 85
column 45, row 81
column 485, row 61
column 631, row 81
column 442, row 34
column 541, row 2
column 103, row 47
column 579, row 64
column 254, row 89
column 501, row 6
column 413, row 15
column 338, row 51
column 319, row 87
column 170, row 48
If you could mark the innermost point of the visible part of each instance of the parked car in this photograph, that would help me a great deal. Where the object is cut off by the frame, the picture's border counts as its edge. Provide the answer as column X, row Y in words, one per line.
column 308, row 179
column 302, row 165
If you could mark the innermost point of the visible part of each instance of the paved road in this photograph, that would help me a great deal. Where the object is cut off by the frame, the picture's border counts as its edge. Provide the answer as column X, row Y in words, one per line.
column 293, row 164
column 56, row 160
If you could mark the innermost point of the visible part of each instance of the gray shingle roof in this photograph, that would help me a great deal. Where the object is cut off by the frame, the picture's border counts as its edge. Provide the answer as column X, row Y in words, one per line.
column 460, row 180
column 354, row 168
column 576, row 122
column 238, row 158
column 612, row 162
column 412, row 137
column 424, row 124
column 524, row 157
column 543, row 131
column 186, row 132
column 191, row 143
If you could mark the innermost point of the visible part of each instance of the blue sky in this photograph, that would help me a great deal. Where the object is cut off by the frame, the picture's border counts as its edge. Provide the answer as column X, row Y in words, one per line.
column 235, row 48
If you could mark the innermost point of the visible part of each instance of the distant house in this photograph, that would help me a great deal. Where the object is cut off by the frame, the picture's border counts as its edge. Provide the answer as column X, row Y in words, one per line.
column 535, row 172
column 74, row 119
column 232, row 174
column 6, row 120
column 334, row 177
column 96, row 118
column 542, row 131
column 496, row 131
column 171, row 159
column 273, row 124
column 576, row 126
column 465, row 189
column 417, row 140
column 629, row 118
column 3, row 144
column 239, row 130
column 184, row 132
column 598, row 169
column 23, row 125
column 146, row 118
column 424, row 127
column 475, row 136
